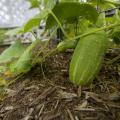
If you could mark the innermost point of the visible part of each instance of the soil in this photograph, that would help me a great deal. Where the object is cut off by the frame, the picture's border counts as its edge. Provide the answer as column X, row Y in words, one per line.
column 45, row 93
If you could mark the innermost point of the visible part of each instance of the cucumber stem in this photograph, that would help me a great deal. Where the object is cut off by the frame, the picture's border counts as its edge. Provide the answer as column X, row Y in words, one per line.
column 57, row 20
column 97, row 30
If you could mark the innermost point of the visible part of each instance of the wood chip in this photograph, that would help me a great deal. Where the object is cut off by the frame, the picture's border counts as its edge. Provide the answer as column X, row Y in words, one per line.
column 70, row 114
column 94, row 96
column 114, row 96
column 65, row 95
column 83, row 105
column 42, row 96
column 86, row 109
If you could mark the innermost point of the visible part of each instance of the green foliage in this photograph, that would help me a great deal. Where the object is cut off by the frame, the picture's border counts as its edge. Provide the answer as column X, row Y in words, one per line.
column 2, row 69
column 14, row 31
column 116, row 35
column 101, row 20
column 34, row 3
column 49, row 4
column 103, row 3
column 12, row 53
column 2, row 34
column 35, row 22
column 63, row 11
column 114, row 2
column 24, row 63
column 68, row 0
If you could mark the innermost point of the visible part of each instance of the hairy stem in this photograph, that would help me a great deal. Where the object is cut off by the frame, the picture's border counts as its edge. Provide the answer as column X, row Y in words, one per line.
column 97, row 30
column 57, row 20
column 52, row 34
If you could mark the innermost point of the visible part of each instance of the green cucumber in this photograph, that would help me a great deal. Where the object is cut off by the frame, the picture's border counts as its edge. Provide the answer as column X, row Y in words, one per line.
column 87, row 58
column 68, row 44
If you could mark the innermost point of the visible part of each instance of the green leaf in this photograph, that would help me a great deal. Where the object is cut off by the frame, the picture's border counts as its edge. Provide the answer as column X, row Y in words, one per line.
column 83, row 26
column 49, row 4
column 114, row 19
column 114, row 2
column 65, row 10
column 97, row 2
column 24, row 63
column 35, row 22
column 103, row 4
column 34, row 3
column 2, row 34
column 2, row 69
column 14, row 31
column 116, row 35
column 101, row 20
column 11, row 53
column 3, row 83
column 68, row 0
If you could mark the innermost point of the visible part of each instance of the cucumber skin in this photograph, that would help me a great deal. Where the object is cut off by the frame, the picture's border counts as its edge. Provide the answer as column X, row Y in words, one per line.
column 68, row 44
column 87, row 58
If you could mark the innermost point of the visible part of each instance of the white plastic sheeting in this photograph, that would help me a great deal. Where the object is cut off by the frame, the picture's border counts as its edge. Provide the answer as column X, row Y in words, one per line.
column 14, row 13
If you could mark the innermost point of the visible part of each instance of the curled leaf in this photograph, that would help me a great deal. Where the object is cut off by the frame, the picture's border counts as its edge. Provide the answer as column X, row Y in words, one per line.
column 24, row 63
column 11, row 53
column 63, row 11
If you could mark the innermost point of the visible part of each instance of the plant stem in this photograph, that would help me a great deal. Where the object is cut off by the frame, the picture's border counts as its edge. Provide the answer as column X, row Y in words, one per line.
column 52, row 34
column 57, row 20
column 50, row 53
column 54, row 51
column 94, row 31
column 79, row 36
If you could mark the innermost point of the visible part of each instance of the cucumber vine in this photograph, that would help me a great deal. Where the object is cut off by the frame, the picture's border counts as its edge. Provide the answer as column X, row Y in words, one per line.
column 58, row 16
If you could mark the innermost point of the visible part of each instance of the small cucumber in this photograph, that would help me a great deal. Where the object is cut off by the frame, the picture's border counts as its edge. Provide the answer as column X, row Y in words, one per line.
column 68, row 44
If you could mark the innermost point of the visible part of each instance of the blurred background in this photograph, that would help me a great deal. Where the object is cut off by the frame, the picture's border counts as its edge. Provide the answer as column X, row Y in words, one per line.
column 14, row 13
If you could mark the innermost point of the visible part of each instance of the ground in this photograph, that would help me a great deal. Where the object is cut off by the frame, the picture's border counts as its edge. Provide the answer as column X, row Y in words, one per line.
column 45, row 93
